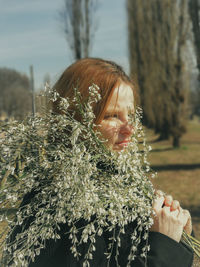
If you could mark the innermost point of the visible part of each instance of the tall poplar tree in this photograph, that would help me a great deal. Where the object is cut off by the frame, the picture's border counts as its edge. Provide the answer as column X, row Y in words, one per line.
column 157, row 32
column 79, row 25
column 194, row 9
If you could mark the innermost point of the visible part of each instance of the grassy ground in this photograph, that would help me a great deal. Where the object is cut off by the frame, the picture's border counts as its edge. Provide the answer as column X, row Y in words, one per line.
column 179, row 170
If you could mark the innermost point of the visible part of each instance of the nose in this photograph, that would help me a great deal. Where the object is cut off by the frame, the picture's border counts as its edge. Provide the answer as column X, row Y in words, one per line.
column 126, row 128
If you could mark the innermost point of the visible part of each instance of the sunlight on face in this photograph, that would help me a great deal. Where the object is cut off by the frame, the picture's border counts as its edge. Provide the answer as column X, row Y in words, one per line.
column 114, row 126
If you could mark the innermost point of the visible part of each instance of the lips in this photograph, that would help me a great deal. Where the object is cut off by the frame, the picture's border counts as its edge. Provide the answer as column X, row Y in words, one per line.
column 123, row 143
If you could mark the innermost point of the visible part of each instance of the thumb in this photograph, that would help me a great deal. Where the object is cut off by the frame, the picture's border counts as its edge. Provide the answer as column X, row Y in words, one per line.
column 188, row 225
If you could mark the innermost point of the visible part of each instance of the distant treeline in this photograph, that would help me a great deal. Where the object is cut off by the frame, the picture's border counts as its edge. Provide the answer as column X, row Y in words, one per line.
column 16, row 95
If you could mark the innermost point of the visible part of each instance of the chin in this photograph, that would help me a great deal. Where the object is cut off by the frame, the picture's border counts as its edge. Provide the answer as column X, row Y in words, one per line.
column 118, row 149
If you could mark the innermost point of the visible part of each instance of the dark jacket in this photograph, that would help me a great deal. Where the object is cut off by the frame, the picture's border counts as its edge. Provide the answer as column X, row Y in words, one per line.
column 164, row 252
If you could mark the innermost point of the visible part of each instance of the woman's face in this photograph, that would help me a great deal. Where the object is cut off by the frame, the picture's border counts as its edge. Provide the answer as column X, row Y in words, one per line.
column 114, row 126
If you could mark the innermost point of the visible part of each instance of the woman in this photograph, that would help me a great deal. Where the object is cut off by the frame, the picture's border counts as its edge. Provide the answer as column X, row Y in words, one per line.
column 118, row 97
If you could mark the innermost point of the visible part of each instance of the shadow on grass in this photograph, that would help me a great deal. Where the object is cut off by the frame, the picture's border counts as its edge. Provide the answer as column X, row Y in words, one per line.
column 195, row 211
column 162, row 149
column 175, row 167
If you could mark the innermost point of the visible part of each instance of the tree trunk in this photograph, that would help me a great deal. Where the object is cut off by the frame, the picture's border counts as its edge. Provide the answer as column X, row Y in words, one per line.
column 176, row 141
column 163, row 136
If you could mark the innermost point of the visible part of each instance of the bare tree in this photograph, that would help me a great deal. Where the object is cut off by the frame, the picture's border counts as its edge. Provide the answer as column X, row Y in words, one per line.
column 79, row 26
column 157, row 39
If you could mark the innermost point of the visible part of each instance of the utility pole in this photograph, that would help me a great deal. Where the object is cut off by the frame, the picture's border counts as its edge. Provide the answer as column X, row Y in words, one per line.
column 32, row 90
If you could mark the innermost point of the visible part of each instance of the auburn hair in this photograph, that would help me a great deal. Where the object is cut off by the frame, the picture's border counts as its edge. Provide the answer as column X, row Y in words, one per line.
column 107, row 75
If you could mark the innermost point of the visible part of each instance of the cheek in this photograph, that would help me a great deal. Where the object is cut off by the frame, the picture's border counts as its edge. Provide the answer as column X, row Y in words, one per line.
column 108, row 129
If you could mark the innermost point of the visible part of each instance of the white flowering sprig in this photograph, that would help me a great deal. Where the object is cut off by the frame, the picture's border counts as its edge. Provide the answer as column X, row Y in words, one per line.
column 70, row 176
column 192, row 242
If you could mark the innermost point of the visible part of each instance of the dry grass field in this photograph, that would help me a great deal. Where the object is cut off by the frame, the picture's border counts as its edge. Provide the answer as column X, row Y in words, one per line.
column 179, row 169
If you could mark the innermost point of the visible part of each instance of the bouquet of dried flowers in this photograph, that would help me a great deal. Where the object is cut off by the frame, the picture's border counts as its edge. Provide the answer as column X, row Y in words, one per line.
column 58, row 158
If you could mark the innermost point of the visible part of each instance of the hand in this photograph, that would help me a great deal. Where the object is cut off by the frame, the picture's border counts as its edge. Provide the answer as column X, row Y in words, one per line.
column 169, row 222
column 174, row 204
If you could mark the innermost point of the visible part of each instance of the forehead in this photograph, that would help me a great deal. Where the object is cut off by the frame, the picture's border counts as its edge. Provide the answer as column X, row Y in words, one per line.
column 122, row 97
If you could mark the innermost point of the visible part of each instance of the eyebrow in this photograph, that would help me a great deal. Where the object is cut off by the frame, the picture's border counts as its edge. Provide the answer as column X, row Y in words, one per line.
column 115, row 110
column 112, row 111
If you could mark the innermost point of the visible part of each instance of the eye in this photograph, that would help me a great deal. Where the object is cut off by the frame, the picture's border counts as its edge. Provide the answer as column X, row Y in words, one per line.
column 109, row 116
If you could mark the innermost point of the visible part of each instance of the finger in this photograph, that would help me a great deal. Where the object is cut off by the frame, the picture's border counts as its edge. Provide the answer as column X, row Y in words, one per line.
column 183, row 216
column 175, row 205
column 166, row 210
column 158, row 203
column 175, row 213
column 188, row 225
column 187, row 214
column 168, row 200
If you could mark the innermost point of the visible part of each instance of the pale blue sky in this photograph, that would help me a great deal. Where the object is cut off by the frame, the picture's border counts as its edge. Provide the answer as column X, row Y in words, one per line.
column 31, row 33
